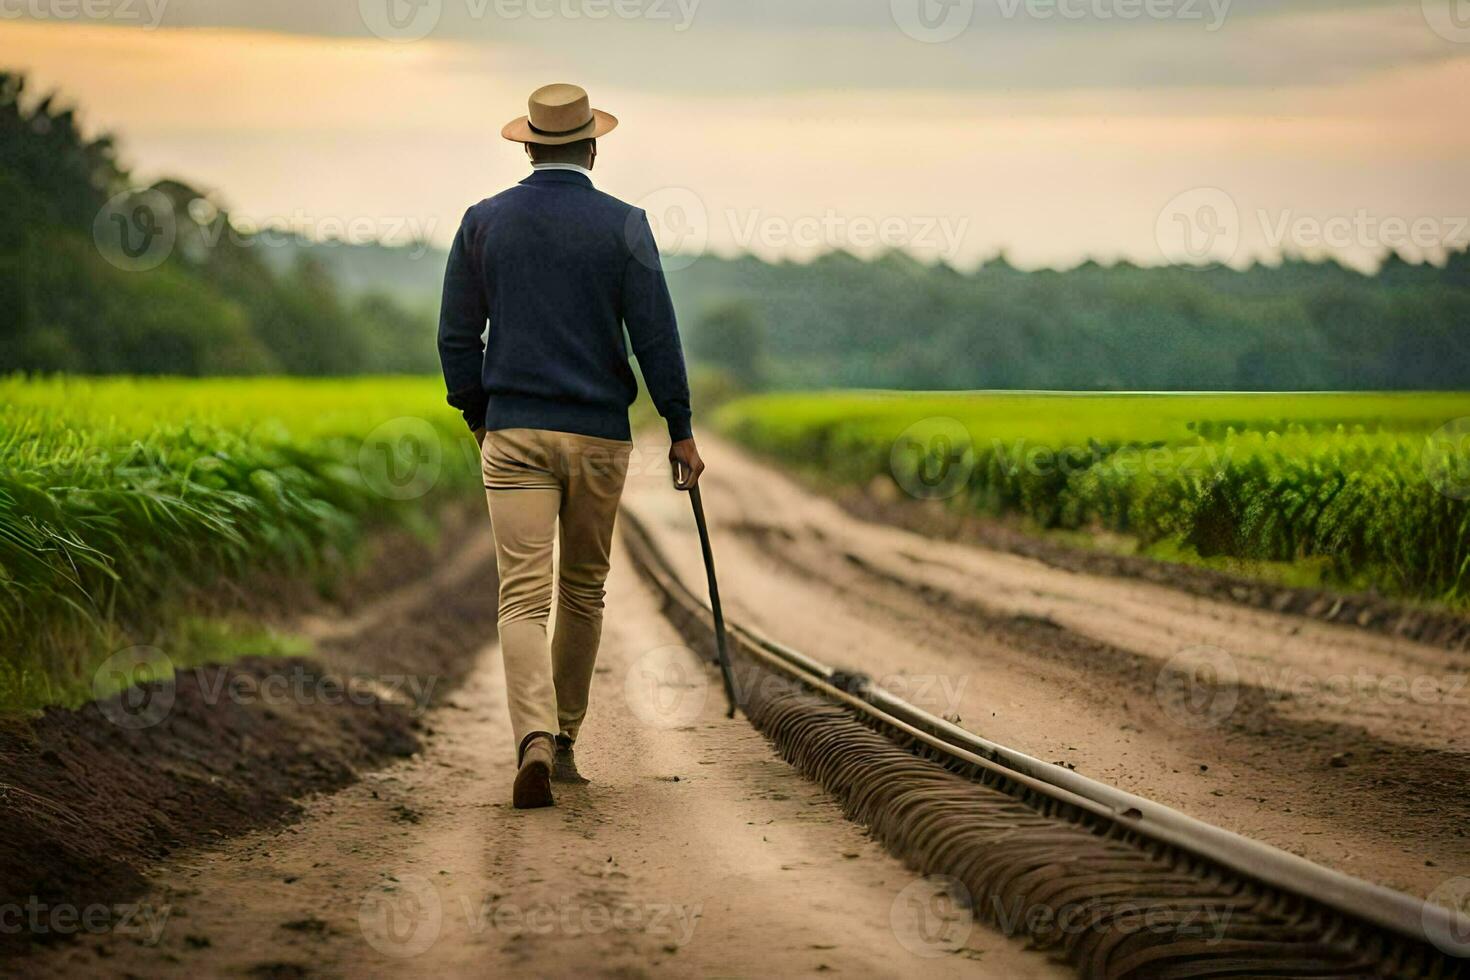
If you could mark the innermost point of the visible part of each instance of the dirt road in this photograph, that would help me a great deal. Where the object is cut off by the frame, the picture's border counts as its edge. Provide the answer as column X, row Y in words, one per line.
column 695, row 851
column 1347, row 747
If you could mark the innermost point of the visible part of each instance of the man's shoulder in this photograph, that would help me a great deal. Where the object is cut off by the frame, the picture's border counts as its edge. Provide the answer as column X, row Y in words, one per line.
column 520, row 195
column 612, row 203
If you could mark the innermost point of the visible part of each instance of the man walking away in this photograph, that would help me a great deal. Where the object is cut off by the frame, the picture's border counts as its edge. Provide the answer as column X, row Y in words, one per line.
column 557, row 269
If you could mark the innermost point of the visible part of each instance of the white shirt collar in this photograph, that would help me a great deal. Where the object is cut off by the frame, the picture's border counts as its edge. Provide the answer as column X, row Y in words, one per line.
column 563, row 166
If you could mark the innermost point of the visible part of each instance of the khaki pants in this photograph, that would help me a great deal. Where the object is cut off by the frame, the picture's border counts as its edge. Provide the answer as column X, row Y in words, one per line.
column 543, row 487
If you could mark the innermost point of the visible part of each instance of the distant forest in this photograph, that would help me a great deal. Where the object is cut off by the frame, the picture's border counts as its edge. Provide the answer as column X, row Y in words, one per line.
column 216, row 302
column 232, row 303
column 893, row 323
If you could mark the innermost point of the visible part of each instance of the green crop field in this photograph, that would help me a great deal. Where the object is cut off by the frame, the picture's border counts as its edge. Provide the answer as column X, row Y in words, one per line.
column 118, row 495
column 1363, row 491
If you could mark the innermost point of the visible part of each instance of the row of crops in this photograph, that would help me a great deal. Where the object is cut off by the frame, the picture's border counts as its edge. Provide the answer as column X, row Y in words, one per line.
column 119, row 496
column 1359, row 490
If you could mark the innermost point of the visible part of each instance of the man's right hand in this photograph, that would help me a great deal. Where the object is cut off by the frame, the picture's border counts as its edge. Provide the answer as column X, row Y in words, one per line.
column 687, row 464
column 480, row 437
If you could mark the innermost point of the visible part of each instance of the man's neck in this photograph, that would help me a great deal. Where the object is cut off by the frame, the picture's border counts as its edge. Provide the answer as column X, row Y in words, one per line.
column 575, row 168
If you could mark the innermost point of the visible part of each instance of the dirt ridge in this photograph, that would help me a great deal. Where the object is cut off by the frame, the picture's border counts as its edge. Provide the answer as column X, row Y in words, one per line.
column 92, row 797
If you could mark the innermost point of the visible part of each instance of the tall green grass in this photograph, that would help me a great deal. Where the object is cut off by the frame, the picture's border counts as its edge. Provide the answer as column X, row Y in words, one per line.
column 118, row 495
column 1367, row 488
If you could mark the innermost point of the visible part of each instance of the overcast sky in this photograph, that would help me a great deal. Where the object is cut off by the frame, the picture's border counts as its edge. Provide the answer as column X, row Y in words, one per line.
column 1054, row 129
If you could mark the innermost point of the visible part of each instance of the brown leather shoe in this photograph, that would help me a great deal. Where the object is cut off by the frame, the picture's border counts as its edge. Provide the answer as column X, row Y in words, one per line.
column 533, row 779
column 565, row 768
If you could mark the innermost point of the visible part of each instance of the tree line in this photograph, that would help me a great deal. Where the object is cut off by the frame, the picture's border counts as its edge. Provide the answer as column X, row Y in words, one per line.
column 210, row 299
column 895, row 323
column 223, row 301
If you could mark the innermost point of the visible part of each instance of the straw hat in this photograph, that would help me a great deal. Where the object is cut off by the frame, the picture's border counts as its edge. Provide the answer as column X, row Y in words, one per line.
column 559, row 114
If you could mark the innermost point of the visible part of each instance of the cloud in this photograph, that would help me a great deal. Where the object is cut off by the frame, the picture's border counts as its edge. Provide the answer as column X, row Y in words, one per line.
column 742, row 48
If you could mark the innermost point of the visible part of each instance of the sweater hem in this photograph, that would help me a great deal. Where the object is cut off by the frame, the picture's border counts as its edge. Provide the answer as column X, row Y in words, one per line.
column 578, row 418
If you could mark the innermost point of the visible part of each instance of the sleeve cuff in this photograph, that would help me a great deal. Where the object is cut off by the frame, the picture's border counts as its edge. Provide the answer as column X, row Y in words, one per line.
column 472, row 406
column 680, row 429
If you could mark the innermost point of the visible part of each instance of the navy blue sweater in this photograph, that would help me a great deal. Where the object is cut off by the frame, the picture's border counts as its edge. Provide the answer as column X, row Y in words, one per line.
column 557, row 269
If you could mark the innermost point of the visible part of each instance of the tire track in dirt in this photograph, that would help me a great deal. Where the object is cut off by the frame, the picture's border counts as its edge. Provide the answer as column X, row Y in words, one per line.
column 1065, row 666
column 1418, row 788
